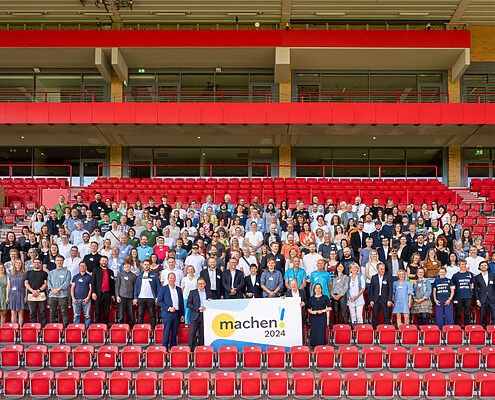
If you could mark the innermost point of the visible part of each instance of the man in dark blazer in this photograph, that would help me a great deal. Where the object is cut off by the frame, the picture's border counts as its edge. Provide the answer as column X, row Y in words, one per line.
column 380, row 295
column 213, row 278
column 171, row 302
column 232, row 281
column 484, row 293
column 252, row 285
column 102, row 290
column 358, row 239
column 295, row 292
column 384, row 250
column 196, row 302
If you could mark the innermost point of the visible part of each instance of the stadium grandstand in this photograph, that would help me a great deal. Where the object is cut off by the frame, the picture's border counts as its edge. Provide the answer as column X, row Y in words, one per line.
column 247, row 199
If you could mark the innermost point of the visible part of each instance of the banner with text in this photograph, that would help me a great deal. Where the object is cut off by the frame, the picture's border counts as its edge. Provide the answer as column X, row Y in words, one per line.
column 253, row 322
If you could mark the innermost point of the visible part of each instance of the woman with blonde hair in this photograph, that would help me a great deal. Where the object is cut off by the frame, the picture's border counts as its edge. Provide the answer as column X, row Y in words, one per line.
column 3, row 294
column 264, row 250
column 16, row 292
column 403, row 292
column 133, row 259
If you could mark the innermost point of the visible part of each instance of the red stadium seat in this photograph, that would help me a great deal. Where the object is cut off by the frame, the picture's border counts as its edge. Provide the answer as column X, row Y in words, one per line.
column 485, row 382
column 341, row 335
column 397, row 358
column 461, row 385
column 488, row 357
column 107, row 358
column 30, row 333
column 453, row 335
column 97, row 334
column 41, row 384
column 357, row 385
column 120, row 384
column 59, row 357
column 130, row 358
column 348, row 358
column 155, row 358
column 421, row 358
column 35, row 357
column 300, row 358
column 172, row 385
column 93, row 384
column 67, row 384
column 324, row 358
column 12, row 356
column 275, row 357
column 382, row 385
column 430, row 335
column 251, row 385
column 304, row 385
column 119, row 334
column 53, row 334
column 364, row 335
column 386, row 335
column 179, row 358
column 141, row 334
column 146, row 385
column 183, row 334
column 469, row 359
column 277, row 384
column 198, row 385
column 75, row 334
column 227, row 358
column 445, row 358
column 158, row 336
column 252, row 357
column 204, row 358
column 225, row 384
column 372, row 358
column 331, row 385
column 16, row 384
column 475, row 335
column 436, row 385
column 408, row 385
column 83, row 358
column 409, row 335
column 8, row 333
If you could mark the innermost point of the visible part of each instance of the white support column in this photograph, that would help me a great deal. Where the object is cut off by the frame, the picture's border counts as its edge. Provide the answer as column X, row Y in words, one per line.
column 119, row 65
column 461, row 64
column 103, row 64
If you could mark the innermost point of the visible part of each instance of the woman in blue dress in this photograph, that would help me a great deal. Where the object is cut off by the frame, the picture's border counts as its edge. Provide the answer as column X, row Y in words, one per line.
column 403, row 292
column 16, row 292
column 318, row 307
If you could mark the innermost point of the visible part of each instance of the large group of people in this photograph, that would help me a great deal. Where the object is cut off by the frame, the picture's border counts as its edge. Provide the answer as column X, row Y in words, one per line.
column 342, row 260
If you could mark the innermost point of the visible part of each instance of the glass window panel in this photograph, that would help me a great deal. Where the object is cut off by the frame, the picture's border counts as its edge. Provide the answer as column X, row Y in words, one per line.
column 16, row 83
column 57, row 155
column 140, row 153
column 168, row 78
column 474, row 85
column 262, row 157
column 387, row 156
column 425, row 156
column 232, row 83
column 351, row 158
column 312, row 157
column 94, row 153
column 478, row 153
column 390, row 85
column 430, row 78
column 478, row 170
column 187, row 158
column 70, row 84
column 342, row 84
column 224, row 159
column 15, row 155
column 94, row 83
column 261, row 78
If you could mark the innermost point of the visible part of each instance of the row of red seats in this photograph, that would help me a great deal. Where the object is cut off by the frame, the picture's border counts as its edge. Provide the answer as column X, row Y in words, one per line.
column 249, row 385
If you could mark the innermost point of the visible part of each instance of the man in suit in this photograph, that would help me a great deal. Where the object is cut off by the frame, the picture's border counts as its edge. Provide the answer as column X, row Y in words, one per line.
column 213, row 278
column 294, row 291
column 171, row 302
column 103, row 290
column 378, row 235
column 196, row 302
column 145, row 293
column 232, row 281
column 484, row 293
column 358, row 239
column 347, row 215
column 380, row 296
column 384, row 250
column 252, row 286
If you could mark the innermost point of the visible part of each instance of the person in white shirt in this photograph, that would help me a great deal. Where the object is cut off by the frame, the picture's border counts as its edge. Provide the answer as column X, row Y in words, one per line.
column 114, row 262
column 290, row 230
column 114, row 234
column 196, row 260
column 188, row 283
column 246, row 260
column 358, row 207
column 64, row 248
column 369, row 225
column 72, row 263
column 179, row 275
column 473, row 260
column 253, row 238
column 167, row 239
column 84, row 247
column 96, row 237
column 309, row 260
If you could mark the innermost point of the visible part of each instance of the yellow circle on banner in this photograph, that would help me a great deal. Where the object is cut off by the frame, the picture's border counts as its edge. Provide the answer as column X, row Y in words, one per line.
column 282, row 325
column 223, row 325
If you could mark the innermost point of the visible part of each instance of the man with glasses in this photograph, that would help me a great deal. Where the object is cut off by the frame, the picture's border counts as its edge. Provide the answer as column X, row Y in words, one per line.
column 394, row 263
column 196, row 302
column 36, row 283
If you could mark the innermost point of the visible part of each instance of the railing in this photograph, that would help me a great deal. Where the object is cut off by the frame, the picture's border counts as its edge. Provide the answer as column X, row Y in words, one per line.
column 11, row 166
column 268, row 167
column 485, row 97
column 465, row 177
column 199, row 96
column 375, row 97
column 36, row 96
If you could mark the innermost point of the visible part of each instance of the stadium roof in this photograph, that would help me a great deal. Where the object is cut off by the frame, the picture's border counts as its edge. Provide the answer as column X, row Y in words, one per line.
column 266, row 12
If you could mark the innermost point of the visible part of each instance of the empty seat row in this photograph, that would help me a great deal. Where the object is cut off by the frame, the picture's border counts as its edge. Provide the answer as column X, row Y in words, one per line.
column 249, row 385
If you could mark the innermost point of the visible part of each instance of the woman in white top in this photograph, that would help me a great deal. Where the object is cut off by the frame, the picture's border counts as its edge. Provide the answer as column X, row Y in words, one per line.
column 246, row 260
column 338, row 235
column 189, row 282
column 107, row 249
column 192, row 232
column 169, row 241
column 355, row 298
column 138, row 226
column 371, row 268
column 96, row 237
column 452, row 267
column 123, row 207
column 138, row 209
column 178, row 207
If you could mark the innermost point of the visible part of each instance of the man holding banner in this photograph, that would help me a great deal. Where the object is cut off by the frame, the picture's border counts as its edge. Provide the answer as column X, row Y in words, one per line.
column 196, row 302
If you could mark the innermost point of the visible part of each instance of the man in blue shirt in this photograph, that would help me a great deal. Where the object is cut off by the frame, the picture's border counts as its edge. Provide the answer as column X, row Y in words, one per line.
column 81, row 295
column 180, row 252
column 443, row 293
column 255, row 218
column 322, row 277
column 295, row 273
column 144, row 251
column 76, row 236
column 59, row 281
column 463, row 282
column 272, row 282
column 124, row 247
column 209, row 203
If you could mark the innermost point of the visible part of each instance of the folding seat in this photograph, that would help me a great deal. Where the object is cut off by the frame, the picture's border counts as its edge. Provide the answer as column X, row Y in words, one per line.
column 372, row 358
column 445, row 358
column 300, row 358
column 146, row 385
column 382, row 385
column 475, row 335
column 93, row 384
column 331, row 385
column 30, row 333
column 225, row 385
column 275, row 357
column 488, row 358
column 120, row 384
column 155, row 358
column 324, row 358
column 408, row 385
column 130, row 358
column 227, row 358
column 250, row 386
column 8, row 333
column 397, row 358
column 83, row 357
column 158, row 336
column 304, row 385
column 75, row 334
column 341, row 335
column 53, row 334
column 453, row 335
column 252, row 357
column 35, row 357
column 12, row 356
column 16, row 384
column 409, row 335
column 198, row 385
column 357, row 385
column 277, row 384
column 435, row 385
column 67, row 384
column 107, row 358
column 41, row 384
column 204, row 358
column 97, row 334
column 421, row 358
column 59, row 357
column 364, row 335
column 485, row 383
column 348, row 358
column 461, row 385
column 172, row 385
column 179, row 358
column 141, row 334
column 469, row 359
column 430, row 335
column 183, row 335
column 386, row 335
column 119, row 334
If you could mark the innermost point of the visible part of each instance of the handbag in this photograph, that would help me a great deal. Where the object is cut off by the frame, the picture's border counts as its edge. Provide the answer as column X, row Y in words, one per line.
column 41, row 297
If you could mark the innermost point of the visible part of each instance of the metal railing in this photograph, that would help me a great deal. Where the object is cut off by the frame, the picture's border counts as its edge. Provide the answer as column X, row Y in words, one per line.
column 11, row 166
column 199, row 96
column 35, row 96
column 485, row 97
column 374, row 97
column 465, row 177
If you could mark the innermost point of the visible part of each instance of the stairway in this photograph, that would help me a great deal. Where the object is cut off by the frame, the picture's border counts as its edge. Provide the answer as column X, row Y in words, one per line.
column 469, row 197
column 17, row 229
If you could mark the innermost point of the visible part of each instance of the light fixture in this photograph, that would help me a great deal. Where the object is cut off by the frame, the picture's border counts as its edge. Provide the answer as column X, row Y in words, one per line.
column 27, row 13
column 96, row 13
column 22, row 137
column 141, row 70
column 218, row 69
column 199, row 137
column 374, row 137
column 330, row 14
column 414, row 14
column 243, row 14
column 36, row 70
column 170, row 13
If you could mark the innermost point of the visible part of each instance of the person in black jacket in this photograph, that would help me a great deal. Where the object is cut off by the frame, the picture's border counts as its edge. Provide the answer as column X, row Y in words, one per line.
column 252, row 284
column 484, row 293
column 92, row 259
column 295, row 292
column 380, row 295
column 358, row 239
column 279, row 259
column 232, row 281
column 103, row 290
column 213, row 278
column 196, row 302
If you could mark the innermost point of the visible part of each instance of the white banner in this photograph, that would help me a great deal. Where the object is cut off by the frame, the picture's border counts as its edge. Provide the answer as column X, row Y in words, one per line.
column 253, row 322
